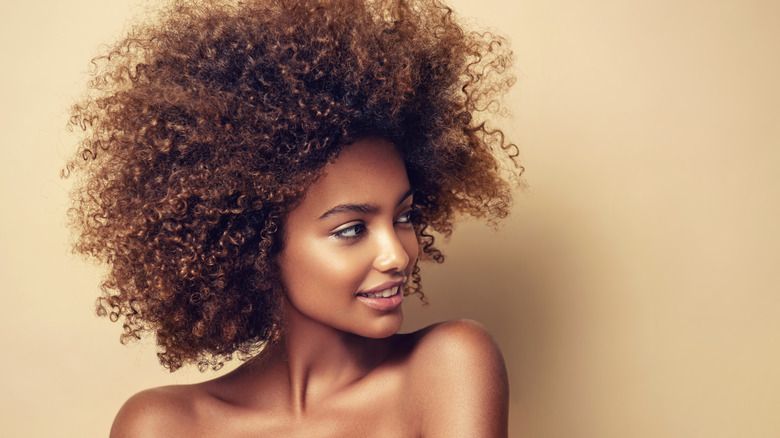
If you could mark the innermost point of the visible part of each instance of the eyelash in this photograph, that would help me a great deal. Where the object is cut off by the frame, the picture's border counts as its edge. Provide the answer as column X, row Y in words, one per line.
column 358, row 229
column 409, row 214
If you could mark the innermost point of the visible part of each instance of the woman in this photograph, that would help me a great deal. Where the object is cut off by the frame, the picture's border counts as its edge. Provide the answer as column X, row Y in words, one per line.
column 261, row 179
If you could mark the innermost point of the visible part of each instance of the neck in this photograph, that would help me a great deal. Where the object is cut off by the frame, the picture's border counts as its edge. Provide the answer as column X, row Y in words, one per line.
column 320, row 361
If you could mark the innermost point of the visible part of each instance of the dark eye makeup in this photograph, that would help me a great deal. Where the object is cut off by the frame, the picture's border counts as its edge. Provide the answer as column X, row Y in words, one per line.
column 355, row 230
column 350, row 232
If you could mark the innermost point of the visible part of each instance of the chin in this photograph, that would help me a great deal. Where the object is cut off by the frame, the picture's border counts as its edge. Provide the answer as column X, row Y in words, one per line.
column 385, row 327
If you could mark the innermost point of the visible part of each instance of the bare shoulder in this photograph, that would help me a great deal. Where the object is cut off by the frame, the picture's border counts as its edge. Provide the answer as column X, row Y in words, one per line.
column 157, row 412
column 462, row 380
column 457, row 344
column 459, row 333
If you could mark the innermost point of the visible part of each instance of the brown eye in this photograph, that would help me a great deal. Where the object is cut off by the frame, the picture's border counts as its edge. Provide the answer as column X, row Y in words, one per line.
column 351, row 232
column 405, row 218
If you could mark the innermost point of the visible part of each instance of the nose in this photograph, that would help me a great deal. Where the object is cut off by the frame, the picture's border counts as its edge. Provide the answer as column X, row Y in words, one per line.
column 391, row 255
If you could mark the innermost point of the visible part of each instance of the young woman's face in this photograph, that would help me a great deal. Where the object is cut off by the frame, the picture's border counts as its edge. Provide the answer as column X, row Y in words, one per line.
column 349, row 245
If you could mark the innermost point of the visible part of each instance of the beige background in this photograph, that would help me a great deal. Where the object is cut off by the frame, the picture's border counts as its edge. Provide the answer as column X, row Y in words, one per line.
column 634, row 291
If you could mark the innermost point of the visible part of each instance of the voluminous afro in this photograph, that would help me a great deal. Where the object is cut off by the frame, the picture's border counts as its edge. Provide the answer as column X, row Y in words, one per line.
column 205, row 125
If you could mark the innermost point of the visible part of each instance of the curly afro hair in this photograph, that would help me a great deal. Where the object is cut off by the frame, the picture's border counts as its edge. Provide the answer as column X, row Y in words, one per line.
column 205, row 125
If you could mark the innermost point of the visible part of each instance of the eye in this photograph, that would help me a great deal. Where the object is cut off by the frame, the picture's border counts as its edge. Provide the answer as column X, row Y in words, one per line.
column 406, row 218
column 350, row 232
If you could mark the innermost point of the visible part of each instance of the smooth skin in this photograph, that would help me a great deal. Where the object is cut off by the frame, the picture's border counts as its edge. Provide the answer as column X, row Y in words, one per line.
column 340, row 369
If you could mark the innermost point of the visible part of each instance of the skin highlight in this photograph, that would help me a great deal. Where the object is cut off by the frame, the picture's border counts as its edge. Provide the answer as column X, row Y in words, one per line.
column 360, row 245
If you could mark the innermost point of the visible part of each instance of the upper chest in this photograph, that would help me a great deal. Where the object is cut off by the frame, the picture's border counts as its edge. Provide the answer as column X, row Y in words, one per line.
column 381, row 405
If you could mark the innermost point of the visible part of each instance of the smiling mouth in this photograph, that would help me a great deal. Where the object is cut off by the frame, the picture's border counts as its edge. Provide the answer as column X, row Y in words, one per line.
column 387, row 293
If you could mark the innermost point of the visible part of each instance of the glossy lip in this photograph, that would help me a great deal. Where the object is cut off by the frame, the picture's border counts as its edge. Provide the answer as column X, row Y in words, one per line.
column 384, row 304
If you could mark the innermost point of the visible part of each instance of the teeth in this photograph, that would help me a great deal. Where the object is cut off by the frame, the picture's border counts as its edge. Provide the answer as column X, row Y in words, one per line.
column 385, row 293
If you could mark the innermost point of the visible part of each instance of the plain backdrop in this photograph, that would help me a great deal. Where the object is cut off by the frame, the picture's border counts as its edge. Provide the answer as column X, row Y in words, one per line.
column 634, row 291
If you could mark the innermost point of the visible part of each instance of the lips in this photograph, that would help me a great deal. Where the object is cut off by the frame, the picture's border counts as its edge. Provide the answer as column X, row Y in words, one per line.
column 381, row 294
column 386, row 297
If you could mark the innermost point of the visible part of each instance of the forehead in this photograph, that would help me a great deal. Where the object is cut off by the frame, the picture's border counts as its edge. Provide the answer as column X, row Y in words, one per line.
column 368, row 171
column 365, row 157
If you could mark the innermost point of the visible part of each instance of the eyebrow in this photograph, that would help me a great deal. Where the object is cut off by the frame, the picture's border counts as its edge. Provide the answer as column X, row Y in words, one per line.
column 360, row 208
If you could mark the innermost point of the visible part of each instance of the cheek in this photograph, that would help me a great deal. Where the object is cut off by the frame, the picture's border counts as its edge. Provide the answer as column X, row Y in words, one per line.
column 317, row 267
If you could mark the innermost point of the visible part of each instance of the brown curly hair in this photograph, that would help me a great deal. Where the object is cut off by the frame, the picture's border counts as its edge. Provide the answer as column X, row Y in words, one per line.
column 205, row 125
